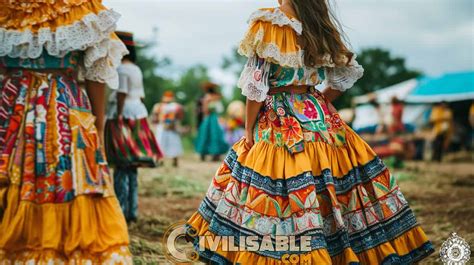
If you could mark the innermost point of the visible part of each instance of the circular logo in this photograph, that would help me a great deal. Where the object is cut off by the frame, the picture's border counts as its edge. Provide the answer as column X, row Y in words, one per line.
column 455, row 251
column 176, row 247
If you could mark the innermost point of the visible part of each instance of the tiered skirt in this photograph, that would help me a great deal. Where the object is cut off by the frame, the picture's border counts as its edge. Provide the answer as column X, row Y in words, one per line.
column 308, row 175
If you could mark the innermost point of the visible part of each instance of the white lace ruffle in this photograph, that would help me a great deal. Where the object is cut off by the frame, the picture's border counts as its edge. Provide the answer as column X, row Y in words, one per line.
column 343, row 78
column 88, row 31
column 251, row 47
column 277, row 17
column 91, row 34
column 102, row 60
column 254, row 80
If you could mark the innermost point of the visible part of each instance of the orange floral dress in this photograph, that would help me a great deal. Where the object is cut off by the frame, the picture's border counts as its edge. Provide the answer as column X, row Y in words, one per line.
column 308, row 174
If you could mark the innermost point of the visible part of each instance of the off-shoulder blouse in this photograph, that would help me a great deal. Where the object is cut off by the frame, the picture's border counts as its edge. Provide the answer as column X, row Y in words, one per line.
column 275, row 59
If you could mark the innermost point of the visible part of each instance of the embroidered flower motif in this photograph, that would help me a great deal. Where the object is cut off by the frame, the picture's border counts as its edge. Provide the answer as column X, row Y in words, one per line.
column 257, row 75
column 299, row 106
column 308, row 136
column 272, row 116
column 336, row 121
column 291, row 130
column 269, row 102
column 310, row 110
column 281, row 111
column 279, row 139
column 266, row 135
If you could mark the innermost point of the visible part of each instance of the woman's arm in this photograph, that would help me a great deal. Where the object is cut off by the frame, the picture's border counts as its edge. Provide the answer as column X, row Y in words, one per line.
column 96, row 93
column 331, row 94
column 155, row 113
column 252, row 109
column 205, row 105
column 120, row 102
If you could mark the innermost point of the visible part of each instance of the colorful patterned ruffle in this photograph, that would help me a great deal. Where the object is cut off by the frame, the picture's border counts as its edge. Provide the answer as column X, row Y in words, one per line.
column 131, row 143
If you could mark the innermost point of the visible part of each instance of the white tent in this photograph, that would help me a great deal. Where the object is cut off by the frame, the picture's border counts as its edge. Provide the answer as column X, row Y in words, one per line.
column 366, row 115
column 385, row 95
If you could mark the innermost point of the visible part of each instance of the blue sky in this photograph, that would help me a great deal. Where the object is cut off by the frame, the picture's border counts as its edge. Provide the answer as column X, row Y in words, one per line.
column 435, row 36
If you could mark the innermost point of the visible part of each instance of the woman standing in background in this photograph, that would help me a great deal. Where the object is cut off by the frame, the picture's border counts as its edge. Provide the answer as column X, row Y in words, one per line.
column 166, row 117
column 130, row 143
column 210, row 140
column 56, row 193
column 235, row 122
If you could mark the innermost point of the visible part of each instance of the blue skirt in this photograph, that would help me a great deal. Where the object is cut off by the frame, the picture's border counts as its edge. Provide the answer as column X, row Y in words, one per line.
column 210, row 140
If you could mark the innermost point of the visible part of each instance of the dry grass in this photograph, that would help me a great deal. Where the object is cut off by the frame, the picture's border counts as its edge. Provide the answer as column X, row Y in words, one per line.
column 442, row 196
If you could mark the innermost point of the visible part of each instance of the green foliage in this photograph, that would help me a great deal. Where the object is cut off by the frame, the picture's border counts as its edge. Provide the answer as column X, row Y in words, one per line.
column 154, row 83
column 235, row 63
column 381, row 69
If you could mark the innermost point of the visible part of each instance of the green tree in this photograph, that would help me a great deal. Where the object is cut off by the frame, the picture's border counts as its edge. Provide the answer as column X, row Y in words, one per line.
column 235, row 63
column 381, row 69
column 154, row 83
column 188, row 90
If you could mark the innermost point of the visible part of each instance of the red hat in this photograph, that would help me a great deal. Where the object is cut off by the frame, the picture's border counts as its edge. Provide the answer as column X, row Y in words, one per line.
column 168, row 96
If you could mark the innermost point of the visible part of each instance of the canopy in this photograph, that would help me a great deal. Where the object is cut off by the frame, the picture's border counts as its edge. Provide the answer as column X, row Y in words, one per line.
column 449, row 88
column 385, row 95
column 366, row 116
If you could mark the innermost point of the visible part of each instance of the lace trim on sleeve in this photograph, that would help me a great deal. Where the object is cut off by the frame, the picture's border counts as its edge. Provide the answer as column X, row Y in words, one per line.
column 343, row 78
column 101, row 62
column 254, row 79
column 277, row 17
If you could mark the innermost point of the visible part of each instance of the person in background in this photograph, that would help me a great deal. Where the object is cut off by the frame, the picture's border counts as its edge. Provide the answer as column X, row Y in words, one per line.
column 471, row 123
column 130, row 143
column 235, row 126
column 441, row 119
column 166, row 116
column 210, row 139
column 56, row 191
column 471, row 115
column 199, row 108
column 381, row 127
column 397, row 126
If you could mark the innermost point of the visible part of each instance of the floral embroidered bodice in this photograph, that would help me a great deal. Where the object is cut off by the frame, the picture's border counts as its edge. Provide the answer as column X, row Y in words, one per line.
column 275, row 59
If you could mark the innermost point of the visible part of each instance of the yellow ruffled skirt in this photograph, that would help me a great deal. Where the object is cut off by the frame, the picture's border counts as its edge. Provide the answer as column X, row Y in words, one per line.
column 57, row 203
column 308, row 174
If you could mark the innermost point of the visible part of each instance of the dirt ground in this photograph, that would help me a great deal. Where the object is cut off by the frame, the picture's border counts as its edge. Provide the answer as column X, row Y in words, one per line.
column 442, row 196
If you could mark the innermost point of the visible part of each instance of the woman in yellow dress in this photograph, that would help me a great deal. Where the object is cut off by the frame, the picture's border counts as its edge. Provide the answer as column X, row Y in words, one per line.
column 301, row 174
column 57, row 202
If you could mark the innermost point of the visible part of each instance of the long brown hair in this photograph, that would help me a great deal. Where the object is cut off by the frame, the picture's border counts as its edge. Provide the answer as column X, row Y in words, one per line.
column 322, row 33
